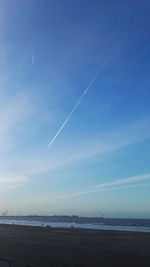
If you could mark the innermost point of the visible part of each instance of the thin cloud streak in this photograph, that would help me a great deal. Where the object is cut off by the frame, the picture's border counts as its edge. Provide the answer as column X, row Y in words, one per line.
column 112, row 185
column 56, row 196
column 84, row 150
column 12, row 181
column 125, row 180
column 111, row 188
column 32, row 57
column 98, row 188
column 78, row 102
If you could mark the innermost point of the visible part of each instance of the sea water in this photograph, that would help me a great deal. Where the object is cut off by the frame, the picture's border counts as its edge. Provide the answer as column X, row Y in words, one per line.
column 136, row 225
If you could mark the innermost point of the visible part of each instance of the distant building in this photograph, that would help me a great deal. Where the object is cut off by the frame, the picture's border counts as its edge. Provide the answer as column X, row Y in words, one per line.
column 5, row 213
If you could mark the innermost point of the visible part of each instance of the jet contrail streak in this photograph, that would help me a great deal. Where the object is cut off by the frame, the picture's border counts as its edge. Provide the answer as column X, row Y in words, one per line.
column 32, row 57
column 78, row 102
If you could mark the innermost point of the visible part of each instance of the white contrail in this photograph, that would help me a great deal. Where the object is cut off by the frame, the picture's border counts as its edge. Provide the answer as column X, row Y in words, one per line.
column 32, row 57
column 78, row 102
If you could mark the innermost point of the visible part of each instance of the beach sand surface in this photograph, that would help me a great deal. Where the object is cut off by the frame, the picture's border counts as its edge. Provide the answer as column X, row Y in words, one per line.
column 59, row 247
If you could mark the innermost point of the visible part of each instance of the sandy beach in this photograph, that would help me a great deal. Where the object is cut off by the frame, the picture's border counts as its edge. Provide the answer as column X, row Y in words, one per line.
column 41, row 246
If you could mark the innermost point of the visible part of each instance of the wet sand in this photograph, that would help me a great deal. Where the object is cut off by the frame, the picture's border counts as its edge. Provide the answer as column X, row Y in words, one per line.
column 58, row 247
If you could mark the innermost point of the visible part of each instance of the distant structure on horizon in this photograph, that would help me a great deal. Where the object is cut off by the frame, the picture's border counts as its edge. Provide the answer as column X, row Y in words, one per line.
column 5, row 213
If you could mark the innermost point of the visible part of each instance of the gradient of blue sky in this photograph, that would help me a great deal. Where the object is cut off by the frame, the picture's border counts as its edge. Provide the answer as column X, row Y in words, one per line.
column 49, row 52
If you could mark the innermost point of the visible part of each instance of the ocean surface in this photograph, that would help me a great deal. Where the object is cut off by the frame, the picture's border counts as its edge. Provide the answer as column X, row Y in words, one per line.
column 136, row 225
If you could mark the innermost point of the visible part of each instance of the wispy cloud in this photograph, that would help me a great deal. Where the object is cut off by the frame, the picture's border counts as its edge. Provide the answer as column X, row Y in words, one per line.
column 40, row 162
column 32, row 57
column 12, row 181
column 91, row 191
column 120, row 184
column 131, row 179
column 56, row 196
column 111, row 141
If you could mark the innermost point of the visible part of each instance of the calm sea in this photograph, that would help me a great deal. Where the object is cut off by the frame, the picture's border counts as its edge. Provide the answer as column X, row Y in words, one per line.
column 138, row 225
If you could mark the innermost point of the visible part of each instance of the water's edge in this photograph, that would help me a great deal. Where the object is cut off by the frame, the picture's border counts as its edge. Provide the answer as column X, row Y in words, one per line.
column 134, row 225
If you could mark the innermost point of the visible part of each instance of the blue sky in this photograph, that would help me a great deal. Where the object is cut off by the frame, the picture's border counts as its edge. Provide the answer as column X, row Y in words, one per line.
column 49, row 53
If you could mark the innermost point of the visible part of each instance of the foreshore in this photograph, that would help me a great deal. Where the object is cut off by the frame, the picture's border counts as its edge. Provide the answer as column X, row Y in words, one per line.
column 61, row 247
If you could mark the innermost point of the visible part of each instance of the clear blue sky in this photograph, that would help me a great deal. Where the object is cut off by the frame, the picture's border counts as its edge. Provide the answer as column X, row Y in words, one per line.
column 100, row 161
